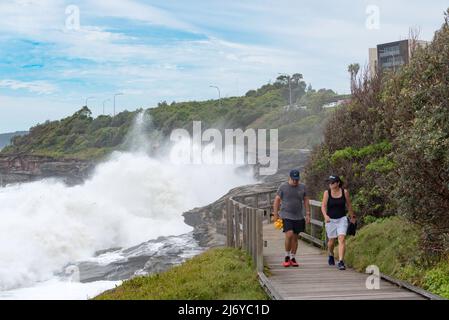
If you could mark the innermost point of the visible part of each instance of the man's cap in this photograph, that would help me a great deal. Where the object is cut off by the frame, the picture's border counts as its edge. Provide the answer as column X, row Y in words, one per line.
column 294, row 174
column 333, row 178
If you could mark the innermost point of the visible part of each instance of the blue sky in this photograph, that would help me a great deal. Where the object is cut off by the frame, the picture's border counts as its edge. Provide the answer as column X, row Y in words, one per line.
column 174, row 50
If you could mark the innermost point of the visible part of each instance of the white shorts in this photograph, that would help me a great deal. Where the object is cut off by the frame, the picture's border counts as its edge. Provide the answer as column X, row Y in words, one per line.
column 337, row 227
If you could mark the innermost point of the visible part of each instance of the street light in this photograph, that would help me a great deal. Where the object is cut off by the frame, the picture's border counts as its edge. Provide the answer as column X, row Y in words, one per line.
column 88, row 98
column 104, row 103
column 219, row 95
column 289, row 87
column 117, row 94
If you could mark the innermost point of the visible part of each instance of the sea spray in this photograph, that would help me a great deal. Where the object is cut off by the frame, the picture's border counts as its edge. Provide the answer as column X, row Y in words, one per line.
column 130, row 198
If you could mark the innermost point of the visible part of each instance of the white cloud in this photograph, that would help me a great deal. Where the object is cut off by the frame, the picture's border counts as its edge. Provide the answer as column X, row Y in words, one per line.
column 129, row 9
column 40, row 87
column 246, row 44
column 21, row 113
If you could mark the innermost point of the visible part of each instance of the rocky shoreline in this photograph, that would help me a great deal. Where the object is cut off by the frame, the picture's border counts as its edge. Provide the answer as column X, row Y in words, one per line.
column 20, row 168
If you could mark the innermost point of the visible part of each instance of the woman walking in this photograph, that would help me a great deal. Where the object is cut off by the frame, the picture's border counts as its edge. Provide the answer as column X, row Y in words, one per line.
column 336, row 203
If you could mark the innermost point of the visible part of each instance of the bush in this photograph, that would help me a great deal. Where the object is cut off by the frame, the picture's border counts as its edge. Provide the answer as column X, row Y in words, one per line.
column 217, row 274
column 391, row 143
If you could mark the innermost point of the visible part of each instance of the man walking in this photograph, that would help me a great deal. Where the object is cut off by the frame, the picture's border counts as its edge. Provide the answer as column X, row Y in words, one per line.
column 291, row 197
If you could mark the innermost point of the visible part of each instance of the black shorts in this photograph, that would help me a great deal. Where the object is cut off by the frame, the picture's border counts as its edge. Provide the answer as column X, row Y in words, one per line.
column 296, row 225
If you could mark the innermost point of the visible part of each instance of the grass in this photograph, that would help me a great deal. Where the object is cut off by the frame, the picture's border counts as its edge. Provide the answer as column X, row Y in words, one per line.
column 392, row 244
column 217, row 274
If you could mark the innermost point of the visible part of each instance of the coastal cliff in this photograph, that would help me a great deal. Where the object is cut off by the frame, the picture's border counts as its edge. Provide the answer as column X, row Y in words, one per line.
column 18, row 168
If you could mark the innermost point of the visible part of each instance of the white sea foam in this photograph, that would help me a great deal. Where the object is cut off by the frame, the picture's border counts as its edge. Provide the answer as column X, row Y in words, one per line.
column 131, row 198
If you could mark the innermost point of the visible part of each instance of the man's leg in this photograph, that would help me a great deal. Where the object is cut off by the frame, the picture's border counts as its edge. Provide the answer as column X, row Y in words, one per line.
column 294, row 243
column 288, row 248
column 288, row 240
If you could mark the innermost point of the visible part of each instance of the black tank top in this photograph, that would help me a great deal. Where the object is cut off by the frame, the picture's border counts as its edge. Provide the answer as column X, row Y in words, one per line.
column 336, row 207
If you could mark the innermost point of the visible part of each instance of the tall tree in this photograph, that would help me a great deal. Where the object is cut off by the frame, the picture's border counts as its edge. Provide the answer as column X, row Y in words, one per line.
column 353, row 69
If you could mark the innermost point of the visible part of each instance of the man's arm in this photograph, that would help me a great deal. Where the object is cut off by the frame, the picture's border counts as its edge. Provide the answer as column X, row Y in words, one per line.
column 276, row 206
column 307, row 206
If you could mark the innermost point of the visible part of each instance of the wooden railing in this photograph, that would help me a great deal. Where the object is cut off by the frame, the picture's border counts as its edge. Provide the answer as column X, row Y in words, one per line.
column 246, row 214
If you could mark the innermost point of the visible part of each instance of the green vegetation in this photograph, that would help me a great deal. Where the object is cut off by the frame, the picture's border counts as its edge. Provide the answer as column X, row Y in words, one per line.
column 391, row 143
column 217, row 274
column 392, row 244
column 80, row 136
column 391, row 146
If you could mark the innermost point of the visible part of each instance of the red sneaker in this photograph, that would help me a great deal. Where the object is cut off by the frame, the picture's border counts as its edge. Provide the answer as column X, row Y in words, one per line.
column 293, row 262
column 286, row 262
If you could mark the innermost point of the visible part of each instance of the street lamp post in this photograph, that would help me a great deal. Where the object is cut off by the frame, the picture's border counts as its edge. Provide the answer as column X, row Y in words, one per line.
column 104, row 103
column 219, row 94
column 87, row 99
column 117, row 94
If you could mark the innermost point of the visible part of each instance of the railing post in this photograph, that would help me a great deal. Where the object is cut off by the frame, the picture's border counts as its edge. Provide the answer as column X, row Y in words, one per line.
column 254, row 236
column 269, row 207
column 250, row 233
column 312, row 216
column 237, row 230
column 228, row 224
column 248, row 230
column 235, row 225
column 248, row 226
column 245, row 229
column 259, row 229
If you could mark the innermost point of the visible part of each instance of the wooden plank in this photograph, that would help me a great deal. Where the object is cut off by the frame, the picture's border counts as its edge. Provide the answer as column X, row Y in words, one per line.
column 351, row 297
column 410, row 287
column 315, row 203
column 316, row 222
column 311, row 239
column 267, row 286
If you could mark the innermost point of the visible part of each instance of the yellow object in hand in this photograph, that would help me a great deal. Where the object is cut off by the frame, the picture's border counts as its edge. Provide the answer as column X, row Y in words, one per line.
column 278, row 224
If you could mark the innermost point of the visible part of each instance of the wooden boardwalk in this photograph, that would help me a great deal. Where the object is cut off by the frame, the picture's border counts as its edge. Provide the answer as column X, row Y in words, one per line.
column 314, row 279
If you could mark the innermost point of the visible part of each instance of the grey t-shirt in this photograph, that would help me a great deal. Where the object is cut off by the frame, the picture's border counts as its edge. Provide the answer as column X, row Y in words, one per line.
column 292, row 199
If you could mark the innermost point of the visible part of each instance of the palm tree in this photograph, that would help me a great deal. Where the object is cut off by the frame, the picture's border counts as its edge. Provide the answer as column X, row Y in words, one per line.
column 353, row 69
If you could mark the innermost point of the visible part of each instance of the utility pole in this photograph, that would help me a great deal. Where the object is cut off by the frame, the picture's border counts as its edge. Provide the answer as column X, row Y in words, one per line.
column 219, row 94
column 104, row 103
column 117, row 94
column 87, row 99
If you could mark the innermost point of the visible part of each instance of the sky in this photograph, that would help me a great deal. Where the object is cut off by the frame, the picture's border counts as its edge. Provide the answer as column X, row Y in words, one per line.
column 54, row 54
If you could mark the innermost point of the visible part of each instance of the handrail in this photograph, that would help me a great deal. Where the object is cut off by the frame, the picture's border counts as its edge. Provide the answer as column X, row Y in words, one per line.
column 246, row 214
